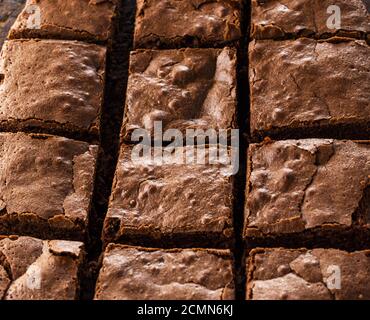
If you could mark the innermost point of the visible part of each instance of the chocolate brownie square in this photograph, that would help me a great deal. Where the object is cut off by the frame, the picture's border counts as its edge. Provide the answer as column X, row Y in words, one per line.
column 276, row 19
column 169, row 203
column 46, row 185
column 52, row 87
column 318, row 274
column 33, row 269
column 89, row 20
column 172, row 23
column 322, row 89
column 308, row 189
column 184, row 89
column 134, row 273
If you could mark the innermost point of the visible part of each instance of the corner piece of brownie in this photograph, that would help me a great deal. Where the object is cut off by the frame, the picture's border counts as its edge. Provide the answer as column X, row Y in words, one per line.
column 134, row 273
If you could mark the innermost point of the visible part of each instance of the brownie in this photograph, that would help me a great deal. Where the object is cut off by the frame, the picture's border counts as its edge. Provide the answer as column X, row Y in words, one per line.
column 276, row 19
column 317, row 187
column 184, row 89
column 321, row 88
column 51, row 86
column 134, row 273
column 169, row 204
column 88, row 20
column 318, row 274
column 173, row 23
column 9, row 10
column 46, row 185
column 33, row 269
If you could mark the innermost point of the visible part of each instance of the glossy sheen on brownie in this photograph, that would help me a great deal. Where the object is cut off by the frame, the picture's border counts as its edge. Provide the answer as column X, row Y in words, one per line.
column 185, row 89
column 305, row 83
column 61, row 19
column 172, row 23
column 186, row 203
column 9, row 10
column 51, row 85
column 132, row 273
column 298, row 185
column 46, row 183
column 318, row 274
column 273, row 19
column 33, row 269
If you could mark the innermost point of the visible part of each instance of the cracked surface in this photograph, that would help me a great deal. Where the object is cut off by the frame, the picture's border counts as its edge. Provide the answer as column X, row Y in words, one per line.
column 193, row 22
column 185, row 89
column 32, row 269
column 72, row 19
column 274, row 19
column 319, row 274
column 46, row 184
column 160, row 201
column 132, row 273
column 295, row 185
column 319, row 83
column 52, row 84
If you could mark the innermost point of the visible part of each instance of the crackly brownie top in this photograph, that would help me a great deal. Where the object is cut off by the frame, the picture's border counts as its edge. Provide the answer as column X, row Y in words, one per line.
column 52, row 82
column 170, row 22
column 130, row 273
column 319, row 274
column 278, row 18
column 187, row 88
column 72, row 19
column 318, row 82
column 301, row 184
column 48, row 177
column 32, row 269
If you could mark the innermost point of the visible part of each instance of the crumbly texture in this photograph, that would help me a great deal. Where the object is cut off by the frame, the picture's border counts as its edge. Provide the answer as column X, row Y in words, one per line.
column 46, row 185
column 319, row 84
column 299, row 185
column 187, row 23
column 169, row 204
column 132, row 273
column 185, row 89
column 318, row 274
column 276, row 19
column 33, row 269
column 91, row 20
column 51, row 86
column 9, row 10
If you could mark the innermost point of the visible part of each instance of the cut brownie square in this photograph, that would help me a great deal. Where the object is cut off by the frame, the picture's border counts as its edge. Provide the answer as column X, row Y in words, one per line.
column 276, row 19
column 322, row 89
column 133, row 273
column 90, row 20
column 184, row 89
column 52, row 86
column 318, row 274
column 9, row 10
column 172, row 23
column 33, row 269
column 311, row 188
column 46, row 185
column 169, row 204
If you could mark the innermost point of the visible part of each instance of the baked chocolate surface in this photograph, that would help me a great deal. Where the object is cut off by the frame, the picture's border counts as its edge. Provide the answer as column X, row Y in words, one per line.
column 187, row 204
column 51, row 86
column 33, row 269
column 46, row 184
column 90, row 20
column 318, row 274
column 132, row 273
column 184, row 89
column 304, row 85
column 307, row 185
column 275, row 19
column 172, row 23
